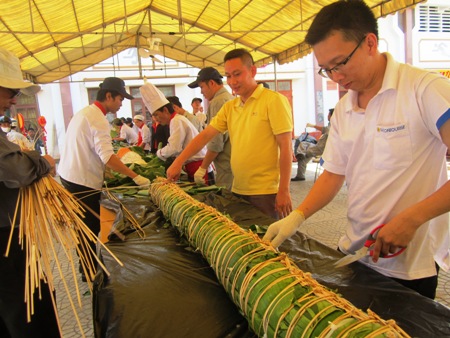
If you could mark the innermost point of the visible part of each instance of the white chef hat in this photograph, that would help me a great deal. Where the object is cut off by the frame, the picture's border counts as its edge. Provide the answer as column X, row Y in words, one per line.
column 153, row 98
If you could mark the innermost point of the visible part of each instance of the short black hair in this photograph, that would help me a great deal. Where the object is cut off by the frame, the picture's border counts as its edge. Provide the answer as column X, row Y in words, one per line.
column 352, row 17
column 174, row 100
column 196, row 99
column 242, row 54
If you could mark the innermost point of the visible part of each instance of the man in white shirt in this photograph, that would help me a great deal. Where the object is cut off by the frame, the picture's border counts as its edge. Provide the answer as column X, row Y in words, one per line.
column 388, row 141
column 144, row 132
column 88, row 149
column 18, row 138
column 197, row 111
column 126, row 133
column 178, row 107
column 181, row 130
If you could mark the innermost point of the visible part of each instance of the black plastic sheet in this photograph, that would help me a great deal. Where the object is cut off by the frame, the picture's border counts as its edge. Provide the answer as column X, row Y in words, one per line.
column 165, row 289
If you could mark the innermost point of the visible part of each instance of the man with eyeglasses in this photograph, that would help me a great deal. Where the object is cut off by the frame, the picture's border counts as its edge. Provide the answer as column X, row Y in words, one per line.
column 388, row 142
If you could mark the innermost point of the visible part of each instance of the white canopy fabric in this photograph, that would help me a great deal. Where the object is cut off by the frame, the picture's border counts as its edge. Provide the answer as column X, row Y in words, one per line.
column 57, row 38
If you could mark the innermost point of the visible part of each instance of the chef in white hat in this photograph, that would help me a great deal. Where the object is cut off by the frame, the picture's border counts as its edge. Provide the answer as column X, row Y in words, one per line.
column 181, row 130
column 144, row 137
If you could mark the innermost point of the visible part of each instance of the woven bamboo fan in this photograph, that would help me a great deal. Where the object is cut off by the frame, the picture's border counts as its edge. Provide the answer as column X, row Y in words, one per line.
column 276, row 297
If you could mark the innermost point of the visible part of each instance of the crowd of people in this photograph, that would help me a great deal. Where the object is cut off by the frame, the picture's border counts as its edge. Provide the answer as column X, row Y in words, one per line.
column 386, row 139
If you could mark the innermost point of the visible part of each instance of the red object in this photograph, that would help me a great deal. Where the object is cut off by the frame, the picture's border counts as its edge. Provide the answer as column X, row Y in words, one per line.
column 42, row 121
column 21, row 122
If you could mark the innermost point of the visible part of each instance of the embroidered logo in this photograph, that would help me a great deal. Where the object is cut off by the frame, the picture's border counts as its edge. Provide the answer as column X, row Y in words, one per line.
column 391, row 129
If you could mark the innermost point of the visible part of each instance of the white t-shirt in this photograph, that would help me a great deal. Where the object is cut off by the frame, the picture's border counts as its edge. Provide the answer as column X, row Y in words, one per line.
column 87, row 148
column 392, row 156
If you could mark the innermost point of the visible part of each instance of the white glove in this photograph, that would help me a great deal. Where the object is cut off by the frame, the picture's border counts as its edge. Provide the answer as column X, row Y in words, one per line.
column 199, row 176
column 281, row 230
column 309, row 125
column 141, row 181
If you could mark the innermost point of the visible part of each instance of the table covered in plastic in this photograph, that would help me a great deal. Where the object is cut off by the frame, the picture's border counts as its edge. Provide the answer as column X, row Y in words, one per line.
column 166, row 289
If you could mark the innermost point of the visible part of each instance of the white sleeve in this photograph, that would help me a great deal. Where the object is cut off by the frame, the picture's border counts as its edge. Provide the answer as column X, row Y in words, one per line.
column 175, row 142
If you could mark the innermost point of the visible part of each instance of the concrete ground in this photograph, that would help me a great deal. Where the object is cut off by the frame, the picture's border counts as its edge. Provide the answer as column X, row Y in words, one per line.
column 326, row 226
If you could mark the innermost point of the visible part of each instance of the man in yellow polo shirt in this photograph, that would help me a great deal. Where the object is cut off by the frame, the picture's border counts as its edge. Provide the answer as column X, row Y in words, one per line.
column 259, row 123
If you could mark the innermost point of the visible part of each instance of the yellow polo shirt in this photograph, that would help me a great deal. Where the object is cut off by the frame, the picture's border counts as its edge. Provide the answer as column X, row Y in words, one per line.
column 254, row 150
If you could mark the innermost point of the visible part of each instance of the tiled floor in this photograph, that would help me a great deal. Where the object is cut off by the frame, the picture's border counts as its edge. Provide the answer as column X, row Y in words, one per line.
column 325, row 226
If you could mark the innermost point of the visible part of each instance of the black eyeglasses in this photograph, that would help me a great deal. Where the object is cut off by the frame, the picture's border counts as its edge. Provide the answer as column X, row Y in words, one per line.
column 326, row 73
column 14, row 93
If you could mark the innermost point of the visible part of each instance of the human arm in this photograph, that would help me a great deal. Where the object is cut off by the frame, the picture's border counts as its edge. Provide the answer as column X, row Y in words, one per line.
column 315, row 126
column 322, row 193
column 197, row 143
column 283, row 203
column 400, row 230
column 20, row 169
column 203, row 169
column 116, row 164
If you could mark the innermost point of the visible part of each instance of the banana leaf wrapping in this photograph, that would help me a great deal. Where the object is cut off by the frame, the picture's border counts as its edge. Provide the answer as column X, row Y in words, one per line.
column 275, row 296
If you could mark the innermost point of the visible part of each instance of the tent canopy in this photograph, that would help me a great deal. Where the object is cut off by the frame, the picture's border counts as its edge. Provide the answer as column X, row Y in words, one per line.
column 57, row 38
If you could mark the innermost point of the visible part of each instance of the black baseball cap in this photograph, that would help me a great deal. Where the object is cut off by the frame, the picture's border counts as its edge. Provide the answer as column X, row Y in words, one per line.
column 116, row 84
column 205, row 74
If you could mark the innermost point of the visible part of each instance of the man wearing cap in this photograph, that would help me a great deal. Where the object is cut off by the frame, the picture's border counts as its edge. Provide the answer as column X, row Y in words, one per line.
column 18, row 169
column 178, row 107
column 144, row 132
column 88, row 149
column 197, row 111
column 219, row 148
column 181, row 130
column 258, row 119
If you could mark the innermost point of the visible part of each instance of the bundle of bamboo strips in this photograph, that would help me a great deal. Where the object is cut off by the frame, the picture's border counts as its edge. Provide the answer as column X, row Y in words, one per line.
column 50, row 215
column 277, row 298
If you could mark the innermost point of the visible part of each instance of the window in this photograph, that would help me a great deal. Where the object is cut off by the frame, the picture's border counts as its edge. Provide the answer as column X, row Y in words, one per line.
column 434, row 19
column 92, row 94
column 137, row 105
column 27, row 106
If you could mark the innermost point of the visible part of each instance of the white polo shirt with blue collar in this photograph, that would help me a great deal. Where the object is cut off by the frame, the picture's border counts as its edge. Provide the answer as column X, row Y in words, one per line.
column 392, row 156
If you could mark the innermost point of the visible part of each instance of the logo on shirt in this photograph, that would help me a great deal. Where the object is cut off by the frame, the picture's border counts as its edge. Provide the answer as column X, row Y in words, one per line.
column 391, row 129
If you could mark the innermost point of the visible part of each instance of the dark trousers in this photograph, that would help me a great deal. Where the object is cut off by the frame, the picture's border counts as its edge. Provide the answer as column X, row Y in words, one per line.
column 265, row 203
column 13, row 309
column 90, row 198
column 425, row 286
